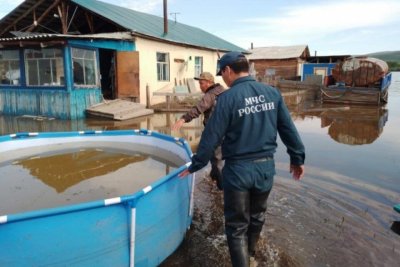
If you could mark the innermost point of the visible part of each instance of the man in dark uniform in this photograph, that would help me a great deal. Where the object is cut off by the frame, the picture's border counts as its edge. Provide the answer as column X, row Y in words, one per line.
column 246, row 121
column 206, row 106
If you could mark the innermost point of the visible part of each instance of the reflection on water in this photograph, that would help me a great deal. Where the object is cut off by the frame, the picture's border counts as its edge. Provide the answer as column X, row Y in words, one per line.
column 64, row 170
column 340, row 214
column 356, row 126
column 31, row 182
column 352, row 125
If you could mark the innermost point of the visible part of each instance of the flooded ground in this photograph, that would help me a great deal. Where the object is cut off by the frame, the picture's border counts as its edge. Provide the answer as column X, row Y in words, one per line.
column 340, row 214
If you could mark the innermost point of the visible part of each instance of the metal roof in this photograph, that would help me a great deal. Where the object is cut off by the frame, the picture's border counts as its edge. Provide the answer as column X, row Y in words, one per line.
column 279, row 52
column 51, row 36
column 153, row 26
column 112, row 18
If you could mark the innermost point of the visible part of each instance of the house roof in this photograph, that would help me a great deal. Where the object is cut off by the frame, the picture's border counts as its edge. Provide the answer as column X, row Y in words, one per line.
column 19, row 36
column 139, row 23
column 279, row 52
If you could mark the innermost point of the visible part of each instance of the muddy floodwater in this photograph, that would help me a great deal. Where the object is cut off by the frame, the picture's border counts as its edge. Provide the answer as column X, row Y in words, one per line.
column 32, row 181
column 340, row 214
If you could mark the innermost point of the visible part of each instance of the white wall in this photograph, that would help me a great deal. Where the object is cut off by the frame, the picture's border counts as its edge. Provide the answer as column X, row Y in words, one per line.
column 148, row 66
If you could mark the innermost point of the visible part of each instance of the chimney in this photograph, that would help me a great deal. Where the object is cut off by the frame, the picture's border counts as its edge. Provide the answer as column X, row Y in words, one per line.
column 165, row 18
column 315, row 53
column 251, row 46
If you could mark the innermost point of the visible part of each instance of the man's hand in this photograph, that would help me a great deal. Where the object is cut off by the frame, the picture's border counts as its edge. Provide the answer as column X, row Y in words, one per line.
column 297, row 171
column 177, row 125
column 184, row 173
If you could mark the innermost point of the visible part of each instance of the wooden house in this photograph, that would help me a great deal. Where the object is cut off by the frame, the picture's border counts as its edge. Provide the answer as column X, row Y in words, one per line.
column 59, row 57
column 278, row 62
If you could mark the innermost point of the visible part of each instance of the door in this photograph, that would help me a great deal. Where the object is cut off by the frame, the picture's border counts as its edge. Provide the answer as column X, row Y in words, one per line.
column 127, row 75
column 321, row 71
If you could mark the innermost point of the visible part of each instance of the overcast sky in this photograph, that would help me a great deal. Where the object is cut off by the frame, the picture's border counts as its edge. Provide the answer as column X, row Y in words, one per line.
column 326, row 26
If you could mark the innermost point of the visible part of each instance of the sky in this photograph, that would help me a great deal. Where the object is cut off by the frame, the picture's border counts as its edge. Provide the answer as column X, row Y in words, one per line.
column 339, row 27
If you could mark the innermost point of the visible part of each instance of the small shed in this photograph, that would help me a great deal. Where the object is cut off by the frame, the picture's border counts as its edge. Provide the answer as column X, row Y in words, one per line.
column 320, row 66
column 278, row 62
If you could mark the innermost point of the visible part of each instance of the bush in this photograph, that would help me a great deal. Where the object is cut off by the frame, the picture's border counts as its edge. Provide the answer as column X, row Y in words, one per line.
column 393, row 65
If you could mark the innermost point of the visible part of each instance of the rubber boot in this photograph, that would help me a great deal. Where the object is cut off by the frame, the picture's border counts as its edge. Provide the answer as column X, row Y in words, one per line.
column 252, row 244
column 238, row 251
column 258, row 206
column 236, row 211
column 252, row 239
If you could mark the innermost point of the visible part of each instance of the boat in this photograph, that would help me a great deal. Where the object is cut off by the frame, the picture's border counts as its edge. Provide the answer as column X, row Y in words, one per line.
column 358, row 80
column 138, row 229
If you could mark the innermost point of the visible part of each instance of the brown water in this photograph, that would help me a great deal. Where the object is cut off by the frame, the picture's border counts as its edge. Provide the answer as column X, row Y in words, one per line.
column 340, row 214
column 64, row 177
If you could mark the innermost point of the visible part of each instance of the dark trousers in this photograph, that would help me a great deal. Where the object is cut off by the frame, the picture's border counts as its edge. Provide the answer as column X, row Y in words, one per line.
column 217, row 165
column 247, row 185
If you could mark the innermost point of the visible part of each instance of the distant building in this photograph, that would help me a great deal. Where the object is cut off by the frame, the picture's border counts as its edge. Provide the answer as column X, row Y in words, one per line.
column 278, row 62
column 320, row 65
column 59, row 57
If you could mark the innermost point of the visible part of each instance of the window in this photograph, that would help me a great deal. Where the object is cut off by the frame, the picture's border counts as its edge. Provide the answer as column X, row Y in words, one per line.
column 9, row 67
column 84, row 65
column 269, row 72
column 162, row 66
column 198, row 66
column 44, row 66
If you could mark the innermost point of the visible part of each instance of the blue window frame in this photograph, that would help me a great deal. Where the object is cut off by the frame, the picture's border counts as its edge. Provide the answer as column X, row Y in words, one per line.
column 10, row 72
